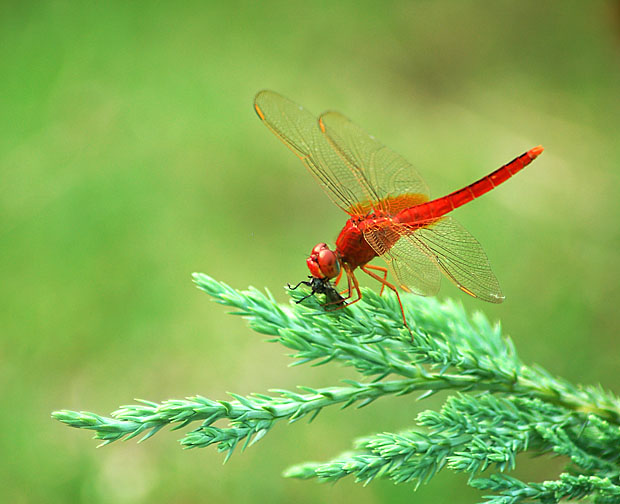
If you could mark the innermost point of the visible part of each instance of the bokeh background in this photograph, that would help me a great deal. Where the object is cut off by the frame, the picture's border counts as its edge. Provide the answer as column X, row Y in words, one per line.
column 130, row 156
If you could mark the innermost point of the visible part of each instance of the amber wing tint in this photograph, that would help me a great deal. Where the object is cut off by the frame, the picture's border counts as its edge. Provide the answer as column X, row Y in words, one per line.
column 419, row 254
column 299, row 130
column 388, row 174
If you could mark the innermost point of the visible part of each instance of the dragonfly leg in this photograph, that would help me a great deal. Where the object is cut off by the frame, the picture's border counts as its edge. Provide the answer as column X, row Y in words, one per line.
column 356, row 285
column 387, row 284
column 353, row 285
column 341, row 302
column 384, row 271
column 348, row 291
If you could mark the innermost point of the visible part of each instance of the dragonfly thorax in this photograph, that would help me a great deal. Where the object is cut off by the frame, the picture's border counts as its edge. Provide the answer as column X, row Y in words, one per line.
column 323, row 262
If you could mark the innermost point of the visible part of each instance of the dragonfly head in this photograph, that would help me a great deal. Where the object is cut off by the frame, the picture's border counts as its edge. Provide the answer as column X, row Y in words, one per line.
column 323, row 262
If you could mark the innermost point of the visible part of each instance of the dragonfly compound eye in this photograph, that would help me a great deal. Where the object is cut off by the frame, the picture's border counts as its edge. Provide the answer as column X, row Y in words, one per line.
column 328, row 262
column 317, row 249
column 323, row 262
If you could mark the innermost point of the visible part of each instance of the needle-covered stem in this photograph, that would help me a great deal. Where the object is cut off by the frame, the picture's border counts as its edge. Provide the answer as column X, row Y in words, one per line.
column 501, row 406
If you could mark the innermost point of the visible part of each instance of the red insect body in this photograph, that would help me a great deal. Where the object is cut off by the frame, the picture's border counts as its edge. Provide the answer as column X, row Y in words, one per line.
column 390, row 212
column 441, row 206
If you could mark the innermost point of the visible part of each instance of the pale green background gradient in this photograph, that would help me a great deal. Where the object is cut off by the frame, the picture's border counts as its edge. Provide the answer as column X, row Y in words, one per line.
column 130, row 156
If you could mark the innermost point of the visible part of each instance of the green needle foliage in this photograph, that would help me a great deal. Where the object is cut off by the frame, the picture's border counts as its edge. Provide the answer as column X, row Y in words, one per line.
column 500, row 407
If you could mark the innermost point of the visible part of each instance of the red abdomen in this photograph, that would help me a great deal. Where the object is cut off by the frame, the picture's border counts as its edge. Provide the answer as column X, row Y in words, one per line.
column 432, row 210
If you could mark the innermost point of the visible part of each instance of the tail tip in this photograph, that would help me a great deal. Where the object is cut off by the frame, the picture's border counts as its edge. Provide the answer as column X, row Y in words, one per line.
column 535, row 152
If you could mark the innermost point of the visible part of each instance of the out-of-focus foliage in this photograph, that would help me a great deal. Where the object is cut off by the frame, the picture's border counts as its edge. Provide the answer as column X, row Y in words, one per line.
column 130, row 156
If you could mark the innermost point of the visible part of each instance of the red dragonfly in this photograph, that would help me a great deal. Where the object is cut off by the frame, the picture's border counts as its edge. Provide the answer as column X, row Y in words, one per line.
column 391, row 213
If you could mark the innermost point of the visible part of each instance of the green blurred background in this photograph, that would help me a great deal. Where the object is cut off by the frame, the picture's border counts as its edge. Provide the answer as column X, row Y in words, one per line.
column 130, row 156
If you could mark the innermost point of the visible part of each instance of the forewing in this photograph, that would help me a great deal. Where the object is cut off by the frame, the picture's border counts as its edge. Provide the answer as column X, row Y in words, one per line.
column 460, row 257
column 299, row 130
column 387, row 174
column 411, row 265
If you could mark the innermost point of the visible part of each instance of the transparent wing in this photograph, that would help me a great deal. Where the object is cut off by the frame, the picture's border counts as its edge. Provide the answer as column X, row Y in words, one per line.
column 460, row 258
column 388, row 174
column 447, row 247
column 299, row 131
column 412, row 266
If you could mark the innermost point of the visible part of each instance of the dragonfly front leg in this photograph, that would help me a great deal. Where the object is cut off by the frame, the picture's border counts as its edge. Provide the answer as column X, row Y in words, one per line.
column 353, row 284
column 342, row 301
column 351, row 279
column 348, row 289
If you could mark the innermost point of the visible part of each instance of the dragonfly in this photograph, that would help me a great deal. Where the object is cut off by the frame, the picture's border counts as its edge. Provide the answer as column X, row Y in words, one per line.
column 391, row 214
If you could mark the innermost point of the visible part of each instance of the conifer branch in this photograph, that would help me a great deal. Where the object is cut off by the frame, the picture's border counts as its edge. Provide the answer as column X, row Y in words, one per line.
column 568, row 486
column 502, row 407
